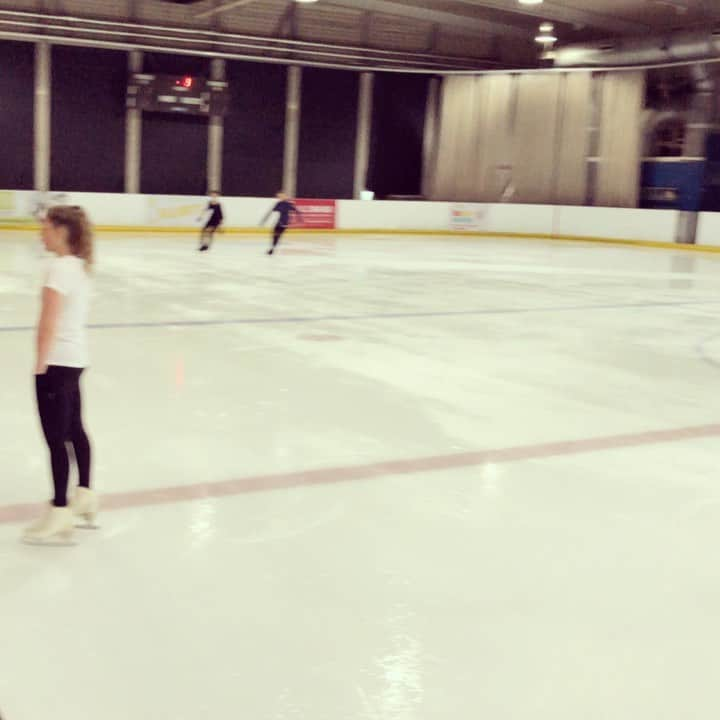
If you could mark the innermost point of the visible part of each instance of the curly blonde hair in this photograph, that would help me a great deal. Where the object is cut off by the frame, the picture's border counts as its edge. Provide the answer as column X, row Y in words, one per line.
column 80, row 234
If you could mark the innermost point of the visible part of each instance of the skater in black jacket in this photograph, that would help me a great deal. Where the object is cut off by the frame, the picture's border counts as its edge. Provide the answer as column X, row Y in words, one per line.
column 215, row 218
column 283, row 207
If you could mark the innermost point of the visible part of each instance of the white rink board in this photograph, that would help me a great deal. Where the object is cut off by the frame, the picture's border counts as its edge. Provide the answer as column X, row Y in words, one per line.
column 174, row 211
column 166, row 210
column 525, row 219
column 392, row 215
column 616, row 223
column 709, row 229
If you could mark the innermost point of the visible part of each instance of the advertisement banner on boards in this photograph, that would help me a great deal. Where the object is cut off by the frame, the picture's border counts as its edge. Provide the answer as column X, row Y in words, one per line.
column 27, row 206
column 317, row 214
column 468, row 217
column 175, row 211
column 7, row 203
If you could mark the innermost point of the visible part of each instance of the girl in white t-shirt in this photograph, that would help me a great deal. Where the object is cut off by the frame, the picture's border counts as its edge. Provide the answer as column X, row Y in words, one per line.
column 62, row 356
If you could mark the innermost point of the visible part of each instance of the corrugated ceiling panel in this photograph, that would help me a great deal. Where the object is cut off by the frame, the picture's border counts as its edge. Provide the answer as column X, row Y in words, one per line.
column 340, row 25
column 396, row 33
column 258, row 18
column 18, row 4
column 448, row 43
column 154, row 11
column 97, row 8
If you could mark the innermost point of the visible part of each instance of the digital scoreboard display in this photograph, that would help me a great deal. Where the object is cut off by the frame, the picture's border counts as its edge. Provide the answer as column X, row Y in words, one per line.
column 187, row 94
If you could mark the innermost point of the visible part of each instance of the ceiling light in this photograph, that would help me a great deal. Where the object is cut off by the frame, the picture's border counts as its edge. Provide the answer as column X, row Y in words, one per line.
column 305, row 1
column 546, row 39
column 530, row 2
column 546, row 28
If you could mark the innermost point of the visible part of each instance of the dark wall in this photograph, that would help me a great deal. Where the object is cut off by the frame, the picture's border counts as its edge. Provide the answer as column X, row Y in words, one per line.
column 326, row 160
column 88, row 127
column 710, row 200
column 87, row 140
column 17, row 80
column 398, row 125
column 174, row 147
column 174, row 154
column 165, row 64
column 253, row 138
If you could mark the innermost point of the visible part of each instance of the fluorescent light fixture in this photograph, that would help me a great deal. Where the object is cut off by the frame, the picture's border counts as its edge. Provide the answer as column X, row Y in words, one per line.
column 530, row 2
column 546, row 28
column 545, row 39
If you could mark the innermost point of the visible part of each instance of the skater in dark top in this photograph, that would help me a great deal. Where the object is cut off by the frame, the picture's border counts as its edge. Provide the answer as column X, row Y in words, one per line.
column 215, row 218
column 283, row 207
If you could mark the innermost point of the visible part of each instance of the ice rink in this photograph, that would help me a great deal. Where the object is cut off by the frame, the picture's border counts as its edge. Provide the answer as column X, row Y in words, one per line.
column 373, row 478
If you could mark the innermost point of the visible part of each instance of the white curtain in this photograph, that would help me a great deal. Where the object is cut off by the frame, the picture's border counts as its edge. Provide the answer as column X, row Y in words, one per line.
column 450, row 142
column 535, row 137
column 474, row 137
column 494, row 135
column 618, row 171
column 573, row 140
column 467, row 134
column 537, row 126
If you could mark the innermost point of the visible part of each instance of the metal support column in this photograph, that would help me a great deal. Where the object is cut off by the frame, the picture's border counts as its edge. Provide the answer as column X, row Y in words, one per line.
column 133, row 133
column 41, row 150
column 215, row 135
column 292, row 130
column 364, row 126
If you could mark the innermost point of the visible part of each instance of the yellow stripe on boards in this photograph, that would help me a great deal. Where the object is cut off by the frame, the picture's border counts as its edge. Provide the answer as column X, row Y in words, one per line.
column 148, row 229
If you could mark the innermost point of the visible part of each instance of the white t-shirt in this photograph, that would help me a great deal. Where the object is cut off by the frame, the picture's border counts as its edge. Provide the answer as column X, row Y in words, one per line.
column 67, row 275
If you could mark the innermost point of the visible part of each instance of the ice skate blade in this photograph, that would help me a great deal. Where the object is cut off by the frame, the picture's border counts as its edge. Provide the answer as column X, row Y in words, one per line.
column 87, row 525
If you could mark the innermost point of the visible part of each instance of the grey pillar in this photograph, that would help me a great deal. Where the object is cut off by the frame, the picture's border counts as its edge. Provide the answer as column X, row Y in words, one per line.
column 292, row 130
column 41, row 150
column 686, row 230
column 133, row 133
column 430, row 137
column 362, row 140
column 702, row 118
column 215, row 135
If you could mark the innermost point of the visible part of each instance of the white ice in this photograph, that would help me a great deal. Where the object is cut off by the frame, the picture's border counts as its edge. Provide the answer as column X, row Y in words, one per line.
column 552, row 581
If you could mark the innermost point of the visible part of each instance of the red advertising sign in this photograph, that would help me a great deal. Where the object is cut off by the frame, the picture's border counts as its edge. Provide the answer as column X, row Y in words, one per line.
column 317, row 214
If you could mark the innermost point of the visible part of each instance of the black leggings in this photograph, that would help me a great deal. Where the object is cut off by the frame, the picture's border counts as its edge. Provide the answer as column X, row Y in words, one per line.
column 278, row 231
column 60, row 408
column 208, row 233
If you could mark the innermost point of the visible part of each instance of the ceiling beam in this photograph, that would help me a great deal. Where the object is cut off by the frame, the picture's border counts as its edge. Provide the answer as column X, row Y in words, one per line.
column 282, row 29
column 441, row 17
column 561, row 13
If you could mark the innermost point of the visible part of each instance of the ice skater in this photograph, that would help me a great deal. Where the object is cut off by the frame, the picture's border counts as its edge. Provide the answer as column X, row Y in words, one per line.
column 62, row 356
column 215, row 218
column 283, row 207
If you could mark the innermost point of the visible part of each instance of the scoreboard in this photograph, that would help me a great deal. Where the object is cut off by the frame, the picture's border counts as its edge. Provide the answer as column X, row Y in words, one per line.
column 187, row 94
